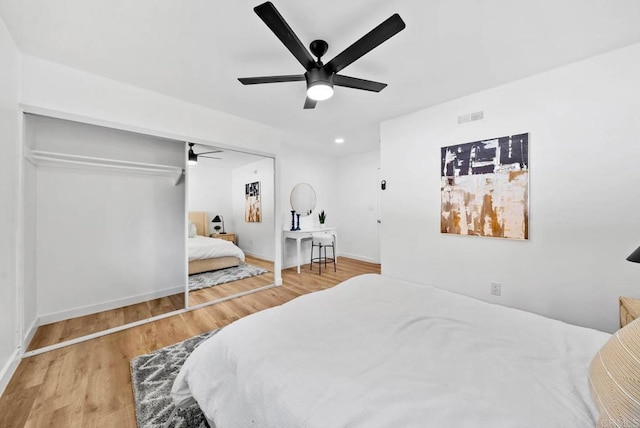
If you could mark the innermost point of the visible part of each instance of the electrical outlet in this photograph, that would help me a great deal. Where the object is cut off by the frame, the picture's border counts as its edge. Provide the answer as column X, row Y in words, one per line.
column 496, row 288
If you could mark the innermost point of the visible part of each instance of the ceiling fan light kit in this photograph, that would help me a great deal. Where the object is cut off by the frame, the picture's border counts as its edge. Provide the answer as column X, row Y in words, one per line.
column 321, row 77
column 319, row 84
column 320, row 91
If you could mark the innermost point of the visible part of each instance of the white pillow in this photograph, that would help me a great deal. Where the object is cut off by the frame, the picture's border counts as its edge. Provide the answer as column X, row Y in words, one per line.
column 193, row 231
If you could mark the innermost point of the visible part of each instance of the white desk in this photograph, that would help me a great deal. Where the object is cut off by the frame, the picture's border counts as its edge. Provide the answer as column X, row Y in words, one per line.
column 299, row 235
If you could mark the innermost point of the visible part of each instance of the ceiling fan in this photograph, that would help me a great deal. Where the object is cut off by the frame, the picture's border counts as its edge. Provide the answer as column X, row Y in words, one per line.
column 193, row 157
column 321, row 77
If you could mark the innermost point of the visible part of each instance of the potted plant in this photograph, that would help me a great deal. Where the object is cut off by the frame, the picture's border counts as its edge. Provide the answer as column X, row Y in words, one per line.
column 322, row 217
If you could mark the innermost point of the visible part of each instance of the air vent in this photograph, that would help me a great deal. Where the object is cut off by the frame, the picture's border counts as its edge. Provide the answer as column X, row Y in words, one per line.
column 479, row 115
column 471, row 117
column 464, row 119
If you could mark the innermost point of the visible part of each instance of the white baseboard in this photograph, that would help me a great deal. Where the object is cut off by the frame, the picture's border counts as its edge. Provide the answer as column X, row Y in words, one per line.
column 105, row 306
column 31, row 331
column 286, row 264
column 357, row 257
column 8, row 370
column 258, row 256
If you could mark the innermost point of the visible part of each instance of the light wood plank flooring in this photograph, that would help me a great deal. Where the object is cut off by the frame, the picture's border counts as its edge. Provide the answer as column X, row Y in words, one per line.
column 89, row 384
column 53, row 333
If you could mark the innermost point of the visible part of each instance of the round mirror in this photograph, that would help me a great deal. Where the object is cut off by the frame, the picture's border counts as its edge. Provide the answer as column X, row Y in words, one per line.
column 303, row 199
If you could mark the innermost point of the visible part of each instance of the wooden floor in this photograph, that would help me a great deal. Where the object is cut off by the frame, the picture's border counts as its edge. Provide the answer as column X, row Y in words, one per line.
column 50, row 334
column 89, row 384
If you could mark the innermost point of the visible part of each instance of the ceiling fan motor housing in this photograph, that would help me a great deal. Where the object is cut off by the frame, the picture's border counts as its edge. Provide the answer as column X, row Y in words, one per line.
column 317, row 76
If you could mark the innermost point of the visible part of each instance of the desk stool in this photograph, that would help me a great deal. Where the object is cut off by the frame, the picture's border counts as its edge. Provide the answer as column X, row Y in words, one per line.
column 322, row 241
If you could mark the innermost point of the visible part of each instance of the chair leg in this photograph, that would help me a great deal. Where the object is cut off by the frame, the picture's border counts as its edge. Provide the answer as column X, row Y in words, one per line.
column 311, row 260
column 320, row 260
column 325, row 257
column 333, row 250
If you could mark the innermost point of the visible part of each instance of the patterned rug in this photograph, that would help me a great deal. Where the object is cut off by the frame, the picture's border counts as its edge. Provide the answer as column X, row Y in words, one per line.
column 217, row 277
column 152, row 377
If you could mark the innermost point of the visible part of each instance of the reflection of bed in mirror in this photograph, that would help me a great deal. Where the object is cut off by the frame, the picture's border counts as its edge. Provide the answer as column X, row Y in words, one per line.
column 205, row 253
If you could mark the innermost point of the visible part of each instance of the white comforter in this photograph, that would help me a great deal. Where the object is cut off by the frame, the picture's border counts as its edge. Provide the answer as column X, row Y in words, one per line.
column 376, row 352
column 202, row 247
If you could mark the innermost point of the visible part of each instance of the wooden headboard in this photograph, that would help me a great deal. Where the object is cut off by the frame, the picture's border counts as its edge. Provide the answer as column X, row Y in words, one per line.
column 201, row 220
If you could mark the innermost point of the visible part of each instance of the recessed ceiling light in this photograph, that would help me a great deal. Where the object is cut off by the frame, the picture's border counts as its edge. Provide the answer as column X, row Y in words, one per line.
column 339, row 140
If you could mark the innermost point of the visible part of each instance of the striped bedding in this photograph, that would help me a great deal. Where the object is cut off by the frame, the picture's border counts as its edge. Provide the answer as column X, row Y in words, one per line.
column 614, row 378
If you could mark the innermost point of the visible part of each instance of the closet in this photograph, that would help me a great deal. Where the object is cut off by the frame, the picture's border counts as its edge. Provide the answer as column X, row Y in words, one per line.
column 104, row 229
column 104, row 225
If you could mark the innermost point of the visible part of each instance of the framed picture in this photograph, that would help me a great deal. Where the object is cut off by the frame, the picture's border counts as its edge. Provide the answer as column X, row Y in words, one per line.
column 252, row 209
column 484, row 188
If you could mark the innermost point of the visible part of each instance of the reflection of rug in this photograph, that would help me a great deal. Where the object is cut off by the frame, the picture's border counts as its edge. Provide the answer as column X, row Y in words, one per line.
column 217, row 277
column 152, row 377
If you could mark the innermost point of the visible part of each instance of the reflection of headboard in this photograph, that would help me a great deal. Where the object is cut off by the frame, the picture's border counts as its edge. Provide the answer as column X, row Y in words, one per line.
column 201, row 220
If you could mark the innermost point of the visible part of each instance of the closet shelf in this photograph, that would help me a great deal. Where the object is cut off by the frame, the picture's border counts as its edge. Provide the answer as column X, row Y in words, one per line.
column 39, row 157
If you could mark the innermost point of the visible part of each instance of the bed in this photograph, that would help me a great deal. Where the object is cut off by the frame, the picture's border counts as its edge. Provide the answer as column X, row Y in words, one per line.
column 378, row 352
column 207, row 254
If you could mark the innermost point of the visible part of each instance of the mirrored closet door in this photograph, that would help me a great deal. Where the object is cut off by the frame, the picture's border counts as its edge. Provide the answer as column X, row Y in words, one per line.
column 231, row 223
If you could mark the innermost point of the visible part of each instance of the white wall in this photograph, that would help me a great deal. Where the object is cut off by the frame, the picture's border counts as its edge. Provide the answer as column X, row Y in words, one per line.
column 584, row 154
column 10, row 125
column 255, row 238
column 56, row 87
column 357, row 198
column 104, row 238
column 210, row 191
column 301, row 166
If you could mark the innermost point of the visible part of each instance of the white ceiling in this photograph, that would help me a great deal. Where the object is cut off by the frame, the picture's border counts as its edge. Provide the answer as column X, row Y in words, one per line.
column 195, row 49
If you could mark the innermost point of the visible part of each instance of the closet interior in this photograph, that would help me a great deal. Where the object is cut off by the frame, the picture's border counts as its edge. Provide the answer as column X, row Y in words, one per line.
column 105, row 230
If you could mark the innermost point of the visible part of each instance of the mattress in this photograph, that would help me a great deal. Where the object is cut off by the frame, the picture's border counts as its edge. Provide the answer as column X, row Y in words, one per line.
column 378, row 352
column 201, row 248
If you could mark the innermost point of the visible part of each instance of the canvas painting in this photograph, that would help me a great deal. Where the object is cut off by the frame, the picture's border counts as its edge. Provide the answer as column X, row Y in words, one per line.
column 485, row 188
column 252, row 209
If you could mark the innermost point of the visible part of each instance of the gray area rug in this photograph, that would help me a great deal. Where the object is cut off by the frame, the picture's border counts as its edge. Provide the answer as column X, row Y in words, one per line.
column 152, row 377
column 217, row 277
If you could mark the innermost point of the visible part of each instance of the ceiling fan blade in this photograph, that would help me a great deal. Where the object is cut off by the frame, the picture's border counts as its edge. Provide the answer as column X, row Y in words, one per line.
column 368, row 42
column 270, row 15
column 208, row 157
column 212, row 151
column 355, row 83
column 309, row 103
column 271, row 79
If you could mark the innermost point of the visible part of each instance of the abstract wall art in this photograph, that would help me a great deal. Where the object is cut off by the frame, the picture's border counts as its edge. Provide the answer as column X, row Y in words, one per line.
column 485, row 188
column 252, row 209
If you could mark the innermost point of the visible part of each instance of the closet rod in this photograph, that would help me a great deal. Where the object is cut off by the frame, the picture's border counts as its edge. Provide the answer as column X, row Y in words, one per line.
column 38, row 155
